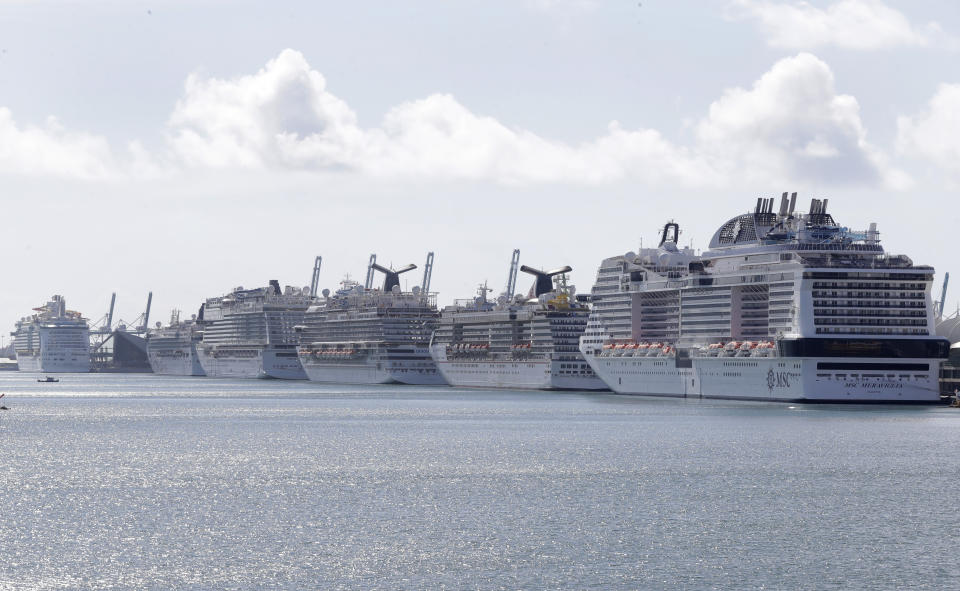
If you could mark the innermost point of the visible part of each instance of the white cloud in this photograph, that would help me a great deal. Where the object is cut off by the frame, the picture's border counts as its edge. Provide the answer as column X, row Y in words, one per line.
column 790, row 125
column 52, row 150
column 280, row 116
column 935, row 133
column 850, row 24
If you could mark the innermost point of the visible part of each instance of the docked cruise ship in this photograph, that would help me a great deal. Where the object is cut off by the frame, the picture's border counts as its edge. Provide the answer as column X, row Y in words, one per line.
column 783, row 305
column 362, row 335
column 251, row 333
column 172, row 349
column 53, row 340
column 516, row 342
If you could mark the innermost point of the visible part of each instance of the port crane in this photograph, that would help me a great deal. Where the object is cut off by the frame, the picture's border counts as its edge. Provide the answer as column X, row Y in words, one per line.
column 427, row 274
column 103, row 333
column 315, row 279
column 512, row 277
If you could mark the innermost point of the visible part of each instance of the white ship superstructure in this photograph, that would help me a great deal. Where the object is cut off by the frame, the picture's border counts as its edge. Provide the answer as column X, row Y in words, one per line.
column 53, row 340
column 783, row 306
column 251, row 333
column 361, row 335
column 516, row 342
column 172, row 349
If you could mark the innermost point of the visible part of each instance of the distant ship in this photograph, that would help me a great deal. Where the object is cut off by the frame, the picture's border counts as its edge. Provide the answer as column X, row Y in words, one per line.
column 361, row 335
column 516, row 342
column 53, row 340
column 784, row 305
column 251, row 333
column 172, row 349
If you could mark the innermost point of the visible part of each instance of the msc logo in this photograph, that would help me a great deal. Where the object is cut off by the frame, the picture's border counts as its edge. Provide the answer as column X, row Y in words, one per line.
column 777, row 379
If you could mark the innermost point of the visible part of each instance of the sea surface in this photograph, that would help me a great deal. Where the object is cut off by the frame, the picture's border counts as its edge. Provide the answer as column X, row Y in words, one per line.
column 152, row 482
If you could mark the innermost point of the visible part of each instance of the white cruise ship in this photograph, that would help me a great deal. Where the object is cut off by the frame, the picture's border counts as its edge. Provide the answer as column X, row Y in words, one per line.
column 516, row 342
column 784, row 306
column 53, row 340
column 172, row 349
column 251, row 333
column 361, row 335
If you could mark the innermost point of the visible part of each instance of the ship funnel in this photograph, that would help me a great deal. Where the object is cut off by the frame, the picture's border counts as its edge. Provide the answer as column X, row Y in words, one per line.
column 759, row 208
column 275, row 284
column 674, row 237
column 544, row 279
column 392, row 277
column 793, row 203
column 823, row 208
column 784, row 203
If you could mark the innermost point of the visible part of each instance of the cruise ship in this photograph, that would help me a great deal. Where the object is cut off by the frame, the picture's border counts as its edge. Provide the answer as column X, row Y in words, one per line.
column 251, row 333
column 362, row 335
column 516, row 342
column 172, row 349
column 53, row 340
column 784, row 305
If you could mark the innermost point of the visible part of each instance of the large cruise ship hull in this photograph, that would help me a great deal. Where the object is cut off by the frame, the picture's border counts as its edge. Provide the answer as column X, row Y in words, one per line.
column 868, row 380
column 512, row 375
column 250, row 363
column 175, row 361
column 71, row 363
column 401, row 366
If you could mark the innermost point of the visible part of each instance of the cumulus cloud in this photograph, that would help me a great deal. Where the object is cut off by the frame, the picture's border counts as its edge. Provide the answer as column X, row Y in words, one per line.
column 793, row 124
column 52, row 150
column 934, row 134
column 790, row 125
column 850, row 24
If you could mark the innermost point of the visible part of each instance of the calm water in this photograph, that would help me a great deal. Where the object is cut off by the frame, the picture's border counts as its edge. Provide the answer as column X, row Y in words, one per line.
column 145, row 482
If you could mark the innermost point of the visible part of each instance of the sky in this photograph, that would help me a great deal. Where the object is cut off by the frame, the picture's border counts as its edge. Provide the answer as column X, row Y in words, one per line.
column 187, row 148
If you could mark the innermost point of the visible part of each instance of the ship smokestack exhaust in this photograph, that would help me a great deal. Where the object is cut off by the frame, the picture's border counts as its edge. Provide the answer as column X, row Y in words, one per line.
column 793, row 203
column 784, row 203
column 675, row 237
column 391, row 277
column 544, row 279
column 275, row 284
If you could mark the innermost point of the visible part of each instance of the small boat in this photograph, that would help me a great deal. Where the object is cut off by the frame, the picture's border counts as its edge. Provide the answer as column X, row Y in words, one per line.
column 48, row 380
